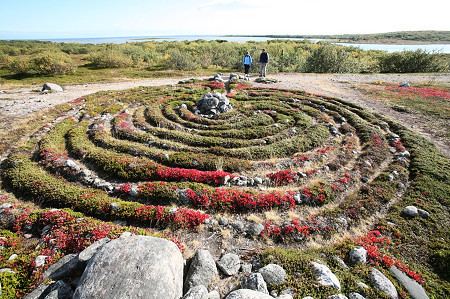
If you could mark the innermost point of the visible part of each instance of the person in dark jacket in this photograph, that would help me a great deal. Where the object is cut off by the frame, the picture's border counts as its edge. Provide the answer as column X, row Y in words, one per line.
column 263, row 61
column 247, row 61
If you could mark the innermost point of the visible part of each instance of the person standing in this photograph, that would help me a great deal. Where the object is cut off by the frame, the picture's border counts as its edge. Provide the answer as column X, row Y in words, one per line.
column 247, row 61
column 263, row 61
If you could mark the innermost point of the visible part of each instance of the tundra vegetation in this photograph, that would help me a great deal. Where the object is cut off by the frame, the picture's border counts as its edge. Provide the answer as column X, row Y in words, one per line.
column 306, row 176
column 23, row 62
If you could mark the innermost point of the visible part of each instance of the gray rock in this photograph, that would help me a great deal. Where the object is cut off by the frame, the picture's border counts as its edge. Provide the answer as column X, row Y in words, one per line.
column 85, row 255
column 223, row 221
column 229, row 264
column 383, row 284
column 258, row 180
column 133, row 267
column 255, row 282
column 60, row 290
column 362, row 285
column 63, row 268
column 197, row 292
column 71, row 164
column 12, row 257
column 7, row 219
column 39, row 261
column 358, row 255
column 202, row 270
column 338, row 296
column 246, row 268
column 40, row 292
column 52, row 87
column 415, row 290
column 298, row 198
column 340, row 262
column 5, row 206
column 405, row 84
column 285, row 296
column 324, row 276
column 247, row 294
column 255, row 229
column 410, row 211
column 355, row 296
column 424, row 214
column 308, row 297
column 273, row 274
column 213, row 295
column 213, row 103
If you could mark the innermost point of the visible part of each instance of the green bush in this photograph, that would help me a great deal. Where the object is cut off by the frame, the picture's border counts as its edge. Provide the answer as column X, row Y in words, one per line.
column 328, row 59
column 418, row 61
column 19, row 65
column 285, row 56
column 52, row 63
column 74, row 48
column 110, row 58
column 179, row 60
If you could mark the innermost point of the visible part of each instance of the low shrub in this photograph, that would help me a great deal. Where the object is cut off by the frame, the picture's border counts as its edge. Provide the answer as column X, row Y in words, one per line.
column 418, row 61
column 47, row 63
column 110, row 58
column 328, row 59
column 50, row 63
column 180, row 60
column 19, row 65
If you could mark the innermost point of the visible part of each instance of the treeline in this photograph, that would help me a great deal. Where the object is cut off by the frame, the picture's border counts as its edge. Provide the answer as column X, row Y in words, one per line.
column 46, row 58
column 419, row 36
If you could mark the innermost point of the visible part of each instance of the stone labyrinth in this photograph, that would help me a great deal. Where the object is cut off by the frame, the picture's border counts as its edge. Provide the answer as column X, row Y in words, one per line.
column 280, row 165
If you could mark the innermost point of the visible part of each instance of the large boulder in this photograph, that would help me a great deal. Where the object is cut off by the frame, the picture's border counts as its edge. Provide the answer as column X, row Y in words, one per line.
column 324, row 276
column 247, row 294
column 63, row 268
column 133, row 267
column 60, row 290
column 202, row 270
column 273, row 274
column 410, row 211
column 383, row 284
column 197, row 292
column 85, row 255
column 415, row 290
column 254, row 282
column 229, row 264
column 52, row 87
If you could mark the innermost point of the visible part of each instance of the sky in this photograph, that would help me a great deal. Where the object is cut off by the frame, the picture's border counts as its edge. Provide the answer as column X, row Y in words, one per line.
column 113, row 18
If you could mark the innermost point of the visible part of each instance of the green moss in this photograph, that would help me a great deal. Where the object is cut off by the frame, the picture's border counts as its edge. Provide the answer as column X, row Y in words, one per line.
column 10, row 284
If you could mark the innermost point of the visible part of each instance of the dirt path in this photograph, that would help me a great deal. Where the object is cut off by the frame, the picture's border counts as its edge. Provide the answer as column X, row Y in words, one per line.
column 19, row 103
column 23, row 101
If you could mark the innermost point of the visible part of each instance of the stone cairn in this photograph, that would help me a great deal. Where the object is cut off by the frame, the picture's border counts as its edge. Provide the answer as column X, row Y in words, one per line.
column 212, row 104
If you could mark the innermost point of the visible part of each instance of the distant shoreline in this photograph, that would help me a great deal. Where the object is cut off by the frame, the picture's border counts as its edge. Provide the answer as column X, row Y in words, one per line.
column 350, row 41
column 429, row 37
